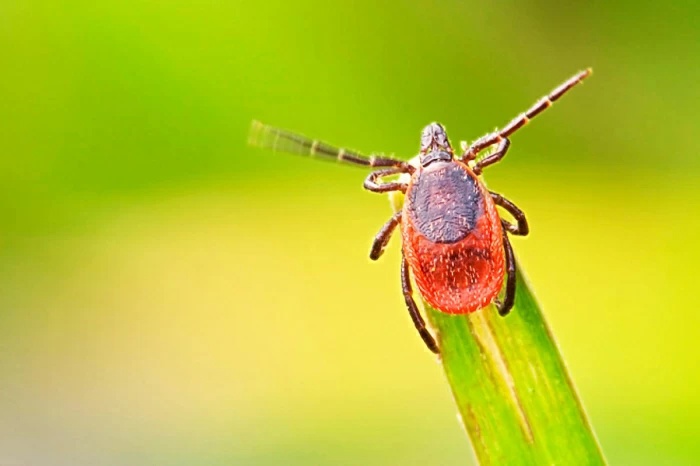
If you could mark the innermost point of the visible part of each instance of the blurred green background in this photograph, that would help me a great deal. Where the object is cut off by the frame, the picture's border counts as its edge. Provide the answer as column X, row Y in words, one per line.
column 170, row 296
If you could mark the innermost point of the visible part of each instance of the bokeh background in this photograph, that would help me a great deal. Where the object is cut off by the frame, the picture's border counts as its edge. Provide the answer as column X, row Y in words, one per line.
column 170, row 296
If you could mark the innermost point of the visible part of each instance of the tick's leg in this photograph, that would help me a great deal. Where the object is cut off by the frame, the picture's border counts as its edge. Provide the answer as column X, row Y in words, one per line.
column 382, row 238
column 413, row 309
column 522, row 119
column 498, row 154
column 277, row 139
column 374, row 184
column 522, row 228
column 509, row 299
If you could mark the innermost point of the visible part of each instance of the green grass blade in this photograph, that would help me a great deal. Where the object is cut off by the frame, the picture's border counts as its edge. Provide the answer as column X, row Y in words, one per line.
column 513, row 392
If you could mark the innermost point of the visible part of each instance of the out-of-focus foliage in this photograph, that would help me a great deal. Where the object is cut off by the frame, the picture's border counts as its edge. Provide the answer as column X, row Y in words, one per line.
column 170, row 296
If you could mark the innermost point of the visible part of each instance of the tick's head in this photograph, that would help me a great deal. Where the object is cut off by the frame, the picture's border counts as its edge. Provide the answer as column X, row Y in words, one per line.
column 434, row 145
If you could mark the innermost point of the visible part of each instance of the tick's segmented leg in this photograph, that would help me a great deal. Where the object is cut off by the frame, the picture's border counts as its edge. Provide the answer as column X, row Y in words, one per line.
column 413, row 309
column 277, row 139
column 382, row 238
column 509, row 299
column 373, row 183
column 522, row 119
column 522, row 228
column 498, row 154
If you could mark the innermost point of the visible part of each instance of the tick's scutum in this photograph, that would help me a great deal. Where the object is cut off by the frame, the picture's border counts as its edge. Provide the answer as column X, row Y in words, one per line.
column 445, row 203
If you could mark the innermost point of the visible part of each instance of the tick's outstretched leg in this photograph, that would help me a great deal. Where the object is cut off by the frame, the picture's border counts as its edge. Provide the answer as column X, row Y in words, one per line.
column 373, row 181
column 413, row 309
column 265, row 136
column 382, row 238
column 509, row 299
column 518, row 122
column 522, row 228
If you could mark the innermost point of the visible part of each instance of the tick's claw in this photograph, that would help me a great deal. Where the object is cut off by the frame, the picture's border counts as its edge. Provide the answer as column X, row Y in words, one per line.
column 502, row 311
column 429, row 340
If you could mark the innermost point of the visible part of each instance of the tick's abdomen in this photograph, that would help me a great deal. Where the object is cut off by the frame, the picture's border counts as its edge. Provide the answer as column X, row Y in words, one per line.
column 452, row 238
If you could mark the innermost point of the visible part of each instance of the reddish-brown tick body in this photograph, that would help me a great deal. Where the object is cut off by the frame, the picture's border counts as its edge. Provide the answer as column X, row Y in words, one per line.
column 453, row 238
column 454, row 241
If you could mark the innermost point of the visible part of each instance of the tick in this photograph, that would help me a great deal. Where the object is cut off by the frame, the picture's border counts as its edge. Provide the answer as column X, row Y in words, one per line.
column 454, row 241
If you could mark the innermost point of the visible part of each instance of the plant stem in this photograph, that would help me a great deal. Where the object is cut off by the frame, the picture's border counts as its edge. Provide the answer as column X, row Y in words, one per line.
column 513, row 392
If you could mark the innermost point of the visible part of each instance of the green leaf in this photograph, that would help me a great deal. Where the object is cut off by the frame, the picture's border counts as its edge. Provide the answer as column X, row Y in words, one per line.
column 514, row 395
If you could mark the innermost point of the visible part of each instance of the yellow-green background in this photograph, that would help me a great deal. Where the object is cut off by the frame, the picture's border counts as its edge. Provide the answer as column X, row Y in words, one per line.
column 170, row 296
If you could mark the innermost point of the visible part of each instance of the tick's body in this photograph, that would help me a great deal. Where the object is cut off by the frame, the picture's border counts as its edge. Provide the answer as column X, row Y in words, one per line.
column 454, row 240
